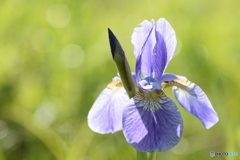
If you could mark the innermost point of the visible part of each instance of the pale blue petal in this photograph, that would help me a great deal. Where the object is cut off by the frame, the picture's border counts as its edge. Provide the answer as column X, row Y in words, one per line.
column 105, row 115
column 144, row 40
column 195, row 101
column 151, row 121
column 192, row 98
column 166, row 77
column 153, row 47
column 169, row 36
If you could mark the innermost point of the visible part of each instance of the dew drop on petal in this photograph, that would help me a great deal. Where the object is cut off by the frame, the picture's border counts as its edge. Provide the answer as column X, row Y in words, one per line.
column 58, row 15
column 72, row 56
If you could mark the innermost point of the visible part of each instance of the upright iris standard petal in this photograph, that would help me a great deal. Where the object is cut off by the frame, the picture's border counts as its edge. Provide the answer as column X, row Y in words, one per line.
column 152, row 59
column 195, row 101
column 141, row 34
column 151, row 121
column 168, row 33
column 144, row 40
column 105, row 115
column 159, row 57
column 154, row 46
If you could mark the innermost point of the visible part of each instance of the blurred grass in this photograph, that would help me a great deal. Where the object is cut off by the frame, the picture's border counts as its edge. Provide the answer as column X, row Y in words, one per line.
column 45, row 93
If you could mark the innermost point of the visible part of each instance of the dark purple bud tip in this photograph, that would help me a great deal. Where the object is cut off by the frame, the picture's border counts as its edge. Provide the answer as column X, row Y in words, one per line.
column 112, row 40
column 115, row 45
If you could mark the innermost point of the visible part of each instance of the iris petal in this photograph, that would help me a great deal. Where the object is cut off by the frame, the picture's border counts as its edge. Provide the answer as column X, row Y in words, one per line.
column 143, row 39
column 151, row 121
column 194, row 100
column 149, row 84
column 105, row 115
column 159, row 57
column 154, row 47
column 166, row 77
column 169, row 36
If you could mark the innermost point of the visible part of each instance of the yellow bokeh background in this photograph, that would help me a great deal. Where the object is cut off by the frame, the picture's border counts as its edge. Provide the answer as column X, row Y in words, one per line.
column 55, row 60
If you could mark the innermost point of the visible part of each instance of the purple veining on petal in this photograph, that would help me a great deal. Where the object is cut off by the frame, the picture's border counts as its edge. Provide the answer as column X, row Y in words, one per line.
column 192, row 98
column 153, row 47
column 159, row 57
column 195, row 101
column 152, row 122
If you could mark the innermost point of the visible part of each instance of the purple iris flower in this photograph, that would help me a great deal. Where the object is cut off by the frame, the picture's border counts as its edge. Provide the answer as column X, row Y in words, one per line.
column 136, row 102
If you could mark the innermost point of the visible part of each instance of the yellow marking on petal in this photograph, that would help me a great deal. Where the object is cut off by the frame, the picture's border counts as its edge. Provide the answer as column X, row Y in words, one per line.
column 150, row 100
column 115, row 84
column 176, row 82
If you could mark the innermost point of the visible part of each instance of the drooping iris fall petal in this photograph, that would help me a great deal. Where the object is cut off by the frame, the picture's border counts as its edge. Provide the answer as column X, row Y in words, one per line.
column 105, row 115
column 192, row 98
column 151, row 121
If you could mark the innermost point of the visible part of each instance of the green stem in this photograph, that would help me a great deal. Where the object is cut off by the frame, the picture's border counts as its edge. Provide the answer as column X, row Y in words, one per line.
column 141, row 155
column 146, row 155
column 152, row 155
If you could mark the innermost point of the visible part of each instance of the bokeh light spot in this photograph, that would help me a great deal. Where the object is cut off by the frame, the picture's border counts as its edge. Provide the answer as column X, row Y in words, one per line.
column 11, row 140
column 3, row 129
column 47, row 114
column 58, row 15
column 72, row 56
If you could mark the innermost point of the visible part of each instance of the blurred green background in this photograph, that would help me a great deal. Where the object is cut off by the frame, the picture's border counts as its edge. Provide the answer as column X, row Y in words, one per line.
column 55, row 60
